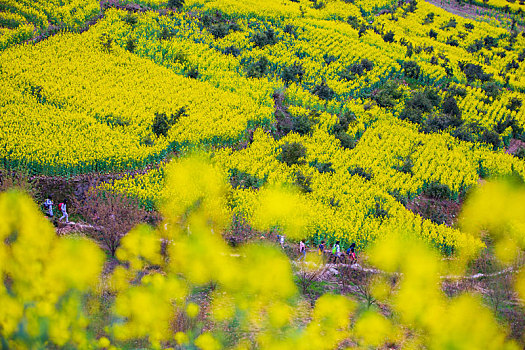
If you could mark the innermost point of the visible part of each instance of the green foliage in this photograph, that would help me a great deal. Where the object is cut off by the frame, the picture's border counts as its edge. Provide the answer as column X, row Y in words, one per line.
column 469, row 26
column 437, row 190
column 322, row 167
column 293, row 73
column 432, row 34
column 421, row 102
column 360, row 172
column 473, row 71
column 429, row 18
column 406, row 165
column 356, row 69
column 476, row 46
column 106, row 42
column 388, row 94
column 323, row 91
column 389, row 37
column 292, row 153
column 343, row 121
column 265, row 37
column 131, row 45
column 163, row 123
column 450, row 107
column 241, row 179
column 490, row 137
column 218, row 24
column 492, row 89
column 177, row 4
column 303, row 182
column 130, row 18
column 450, row 24
column 347, row 141
column 286, row 123
column 232, row 50
column 257, row 69
column 514, row 104
column 411, row 69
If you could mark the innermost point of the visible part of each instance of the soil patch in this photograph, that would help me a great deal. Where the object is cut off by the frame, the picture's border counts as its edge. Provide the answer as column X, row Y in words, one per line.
column 439, row 211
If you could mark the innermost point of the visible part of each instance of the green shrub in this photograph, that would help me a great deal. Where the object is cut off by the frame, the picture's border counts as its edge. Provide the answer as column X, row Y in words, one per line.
column 354, row 22
column 521, row 153
column 343, row 121
column 232, row 50
column 106, row 42
column 177, row 4
column 429, row 18
column 473, row 72
column 521, row 55
column 512, row 65
column 490, row 42
column 421, row 102
column 131, row 45
column 293, row 73
column 292, row 153
column 441, row 122
column 514, row 104
column 266, row 37
column 218, row 24
column 303, row 182
column 432, row 34
column 476, row 46
column 452, row 41
column 130, row 18
column 328, row 59
column 389, row 37
column 347, row 141
column 286, row 123
column 411, row 69
column 360, row 172
column 450, row 24
column 192, row 72
column 388, row 94
column 162, row 123
column 322, row 167
column 437, row 190
column 450, row 107
column 457, row 91
column 241, row 179
column 302, row 124
column 323, row 91
column 490, row 137
column 257, row 69
column 406, row 165
column 492, row 89
column 467, row 132
column 380, row 210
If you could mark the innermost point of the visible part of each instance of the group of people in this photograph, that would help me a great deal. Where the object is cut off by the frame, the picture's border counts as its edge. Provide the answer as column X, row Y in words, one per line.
column 336, row 256
column 62, row 206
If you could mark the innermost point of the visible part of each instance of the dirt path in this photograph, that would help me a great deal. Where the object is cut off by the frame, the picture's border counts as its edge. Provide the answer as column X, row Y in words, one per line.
column 469, row 10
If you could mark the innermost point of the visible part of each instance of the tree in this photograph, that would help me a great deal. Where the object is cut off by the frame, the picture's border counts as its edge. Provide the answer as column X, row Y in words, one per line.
column 112, row 216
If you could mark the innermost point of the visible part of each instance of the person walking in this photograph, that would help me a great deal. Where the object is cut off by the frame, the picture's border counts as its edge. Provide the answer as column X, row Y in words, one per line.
column 350, row 252
column 321, row 248
column 48, row 204
column 336, row 252
column 63, row 208
column 281, row 240
column 302, row 250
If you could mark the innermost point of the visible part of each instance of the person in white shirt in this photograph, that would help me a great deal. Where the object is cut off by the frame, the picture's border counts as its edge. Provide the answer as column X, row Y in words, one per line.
column 48, row 204
column 62, row 206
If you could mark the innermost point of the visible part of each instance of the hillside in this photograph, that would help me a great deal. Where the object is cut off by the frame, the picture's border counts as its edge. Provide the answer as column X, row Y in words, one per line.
column 324, row 120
